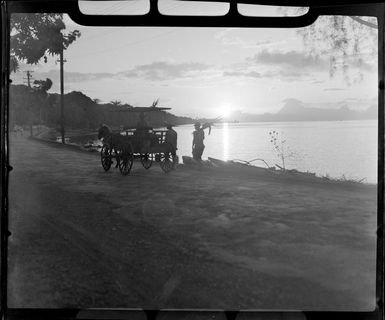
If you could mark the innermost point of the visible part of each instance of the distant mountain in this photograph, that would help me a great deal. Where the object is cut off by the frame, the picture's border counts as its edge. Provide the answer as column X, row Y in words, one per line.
column 295, row 110
column 293, row 106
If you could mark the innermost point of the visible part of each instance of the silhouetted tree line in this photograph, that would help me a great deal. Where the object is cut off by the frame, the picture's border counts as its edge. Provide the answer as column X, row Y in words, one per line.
column 33, row 106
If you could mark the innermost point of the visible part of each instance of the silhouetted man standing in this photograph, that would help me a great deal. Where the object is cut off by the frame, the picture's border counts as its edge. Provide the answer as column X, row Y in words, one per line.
column 197, row 145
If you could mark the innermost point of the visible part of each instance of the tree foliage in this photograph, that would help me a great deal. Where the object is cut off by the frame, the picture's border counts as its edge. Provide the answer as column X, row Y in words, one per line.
column 37, row 34
column 345, row 41
column 116, row 103
column 43, row 85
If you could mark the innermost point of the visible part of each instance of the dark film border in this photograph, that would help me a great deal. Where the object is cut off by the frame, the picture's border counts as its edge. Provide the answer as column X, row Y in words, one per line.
column 154, row 18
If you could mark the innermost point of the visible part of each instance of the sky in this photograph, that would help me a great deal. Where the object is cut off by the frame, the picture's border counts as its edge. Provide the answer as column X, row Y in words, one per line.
column 203, row 72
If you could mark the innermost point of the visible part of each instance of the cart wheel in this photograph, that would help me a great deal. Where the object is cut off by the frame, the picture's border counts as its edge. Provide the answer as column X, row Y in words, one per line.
column 166, row 162
column 126, row 160
column 105, row 157
column 146, row 160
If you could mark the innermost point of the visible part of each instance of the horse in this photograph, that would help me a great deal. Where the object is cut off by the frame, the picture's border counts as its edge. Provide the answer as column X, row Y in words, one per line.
column 115, row 140
column 18, row 130
column 110, row 138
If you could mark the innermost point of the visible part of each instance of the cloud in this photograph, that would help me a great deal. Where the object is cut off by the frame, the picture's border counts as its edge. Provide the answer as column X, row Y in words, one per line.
column 291, row 66
column 317, row 81
column 252, row 74
column 154, row 71
column 161, row 70
column 292, row 74
column 358, row 103
column 303, row 62
column 334, row 89
column 295, row 59
column 243, row 39
column 271, row 72
column 75, row 77
column 246, row 44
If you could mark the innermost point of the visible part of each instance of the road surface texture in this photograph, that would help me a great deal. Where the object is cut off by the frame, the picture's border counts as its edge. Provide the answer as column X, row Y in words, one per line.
column 193, row 238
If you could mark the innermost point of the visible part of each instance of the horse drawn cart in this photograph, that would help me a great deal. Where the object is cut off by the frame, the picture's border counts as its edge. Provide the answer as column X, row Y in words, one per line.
column 143, row 143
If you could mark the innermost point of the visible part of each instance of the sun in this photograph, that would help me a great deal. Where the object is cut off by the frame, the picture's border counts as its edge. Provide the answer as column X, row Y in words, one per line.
column 225, row 111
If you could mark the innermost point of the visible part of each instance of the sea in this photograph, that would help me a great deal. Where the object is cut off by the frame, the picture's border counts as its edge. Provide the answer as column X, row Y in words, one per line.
column 335, row 149
column 345, row 150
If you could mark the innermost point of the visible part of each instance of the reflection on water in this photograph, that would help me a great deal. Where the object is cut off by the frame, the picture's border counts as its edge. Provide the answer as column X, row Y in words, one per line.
column 333, row 148
column 225, row 140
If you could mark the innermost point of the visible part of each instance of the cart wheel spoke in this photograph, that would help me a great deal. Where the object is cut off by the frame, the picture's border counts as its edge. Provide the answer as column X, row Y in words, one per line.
column 105, row 157
column 166, row 162
column 125, row 162
column 146, row 160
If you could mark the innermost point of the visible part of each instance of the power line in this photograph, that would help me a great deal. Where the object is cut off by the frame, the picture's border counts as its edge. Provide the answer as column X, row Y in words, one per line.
column 99, row 35
column 113, row 7
column 121, row 6
column 116, row 7
column 172, row 7
column 86, row 55
column 103, row 9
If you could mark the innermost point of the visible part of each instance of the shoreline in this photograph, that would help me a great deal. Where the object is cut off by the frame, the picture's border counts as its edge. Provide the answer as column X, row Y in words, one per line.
column 49, row 136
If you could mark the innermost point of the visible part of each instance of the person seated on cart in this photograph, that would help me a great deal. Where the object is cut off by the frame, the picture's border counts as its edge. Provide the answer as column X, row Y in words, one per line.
column 142, row 123
column 142, row 134
column 171, row 139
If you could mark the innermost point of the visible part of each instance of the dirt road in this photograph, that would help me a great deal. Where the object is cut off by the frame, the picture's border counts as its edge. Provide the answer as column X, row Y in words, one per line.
column 82, row 237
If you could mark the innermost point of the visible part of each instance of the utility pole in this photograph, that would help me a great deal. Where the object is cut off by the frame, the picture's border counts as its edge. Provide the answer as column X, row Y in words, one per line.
column 29, row 76
column 28, row 79
column 61, row 60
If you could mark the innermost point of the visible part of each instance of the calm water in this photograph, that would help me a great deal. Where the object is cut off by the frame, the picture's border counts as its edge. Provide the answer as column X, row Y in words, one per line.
column 332, row 148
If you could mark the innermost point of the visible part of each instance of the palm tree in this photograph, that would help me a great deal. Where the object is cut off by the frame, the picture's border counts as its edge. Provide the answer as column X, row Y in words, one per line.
column 116, row 103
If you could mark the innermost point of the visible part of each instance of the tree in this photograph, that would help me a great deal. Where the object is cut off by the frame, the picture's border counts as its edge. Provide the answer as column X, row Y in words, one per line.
column 36, row 34
column 42, row 85
column 26, row 104
column 116, row 103
column 345, row 40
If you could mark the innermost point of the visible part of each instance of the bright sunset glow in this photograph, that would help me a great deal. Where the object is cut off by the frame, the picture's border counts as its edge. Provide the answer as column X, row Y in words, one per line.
column 225, row 111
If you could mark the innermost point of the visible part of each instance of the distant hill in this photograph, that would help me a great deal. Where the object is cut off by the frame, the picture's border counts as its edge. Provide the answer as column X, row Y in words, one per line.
column 81, row 112
column 295, row 110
